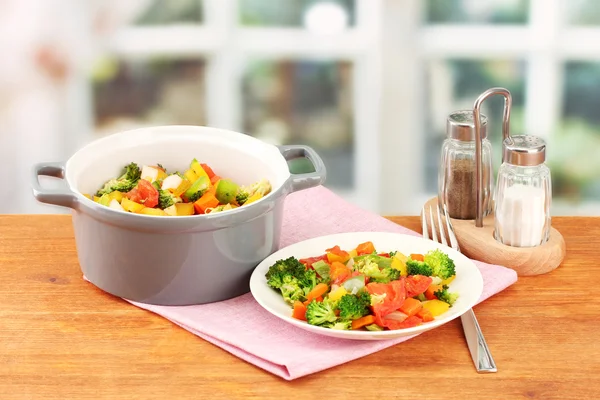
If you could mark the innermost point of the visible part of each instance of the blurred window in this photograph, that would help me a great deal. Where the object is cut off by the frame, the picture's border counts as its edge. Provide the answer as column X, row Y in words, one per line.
column 304, row 102
column 454, row 84
column 142, row 92
column 295, row 13
column 161, row 12
column 583, row 12
column 477, row 11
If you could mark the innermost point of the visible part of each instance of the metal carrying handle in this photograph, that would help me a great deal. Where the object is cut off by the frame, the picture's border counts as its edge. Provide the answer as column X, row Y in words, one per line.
column 478, row 142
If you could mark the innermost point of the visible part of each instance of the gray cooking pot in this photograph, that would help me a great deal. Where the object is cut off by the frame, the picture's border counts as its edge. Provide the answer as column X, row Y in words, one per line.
column 176, row 260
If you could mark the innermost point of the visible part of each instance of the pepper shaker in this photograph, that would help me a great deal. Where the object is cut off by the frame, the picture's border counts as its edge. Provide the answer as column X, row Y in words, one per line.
column 457, row 173
column 523, row 193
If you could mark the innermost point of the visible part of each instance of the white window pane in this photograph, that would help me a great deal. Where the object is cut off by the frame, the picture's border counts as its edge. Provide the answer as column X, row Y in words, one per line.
column 152, row 91
column 304, row 102
column 477, row 11
column 455, row 84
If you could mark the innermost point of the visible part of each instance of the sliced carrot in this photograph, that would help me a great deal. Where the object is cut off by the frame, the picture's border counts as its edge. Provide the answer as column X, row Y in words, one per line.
column 363, row 321
column 320, row 298
column 317, row 291
column 430, row 292
column 208, row 170
column 299, row 311
column 338, row 271
column 208, row 200
column 417, row 257
column 425, row 315
column 411, row 306
column 365, row 248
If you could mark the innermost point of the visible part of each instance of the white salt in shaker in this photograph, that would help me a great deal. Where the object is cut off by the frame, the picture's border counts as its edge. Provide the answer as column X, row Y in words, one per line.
column 523, row 193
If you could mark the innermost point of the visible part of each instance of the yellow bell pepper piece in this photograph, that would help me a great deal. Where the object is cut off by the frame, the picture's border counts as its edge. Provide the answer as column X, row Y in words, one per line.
column 190, row 175
column 181, row 189
column 447, row 281
column 400, row 266
column 116, row 195
column 436, row 307
column 198, row 170
column 96, row 199
column 131, row 206
column 253, row 198
column 88, row 196
column 337, row 294
column 353, row 253
column 161, row 175
column 184, row 209
column 152, row 211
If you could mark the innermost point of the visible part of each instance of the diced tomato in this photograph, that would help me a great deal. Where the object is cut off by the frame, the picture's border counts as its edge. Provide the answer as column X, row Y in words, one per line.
column 395, row 294
column 208, row 170
column 144, row 193
column 387, row 255
column 299, row 311
column 308, row 262
column 417, row 284
column 407, row 323
column 365, row 248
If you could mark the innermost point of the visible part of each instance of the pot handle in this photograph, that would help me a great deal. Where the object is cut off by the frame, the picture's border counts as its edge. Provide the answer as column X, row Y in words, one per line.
column 310, row 179
column 58, row 197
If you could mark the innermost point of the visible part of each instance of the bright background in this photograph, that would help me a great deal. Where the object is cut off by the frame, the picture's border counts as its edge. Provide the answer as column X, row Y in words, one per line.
column 367, row 83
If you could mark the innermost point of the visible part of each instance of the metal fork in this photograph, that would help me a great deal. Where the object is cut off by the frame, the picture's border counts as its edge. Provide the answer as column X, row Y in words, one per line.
column 480, row 353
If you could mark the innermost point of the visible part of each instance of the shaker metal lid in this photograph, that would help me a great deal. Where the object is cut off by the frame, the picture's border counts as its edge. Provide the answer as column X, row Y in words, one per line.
column 524, row 150
column 460, row 125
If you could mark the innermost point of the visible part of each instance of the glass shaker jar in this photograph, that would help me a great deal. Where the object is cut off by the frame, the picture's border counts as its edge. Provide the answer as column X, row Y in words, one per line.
column 523, row 193
column 457, row 180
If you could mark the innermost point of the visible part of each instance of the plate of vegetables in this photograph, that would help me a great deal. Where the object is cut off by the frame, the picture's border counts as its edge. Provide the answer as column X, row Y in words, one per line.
column 152, row 190
column 367, row 285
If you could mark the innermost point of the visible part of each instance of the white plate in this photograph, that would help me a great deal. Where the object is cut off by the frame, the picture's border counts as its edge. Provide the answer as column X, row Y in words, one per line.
column 468, row 282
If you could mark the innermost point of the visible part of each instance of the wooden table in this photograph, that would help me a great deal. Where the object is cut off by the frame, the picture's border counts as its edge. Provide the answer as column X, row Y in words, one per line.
column 60, row 338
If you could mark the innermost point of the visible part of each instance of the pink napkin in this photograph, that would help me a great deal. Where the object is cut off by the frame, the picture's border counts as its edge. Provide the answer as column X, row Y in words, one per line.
column 243, row 328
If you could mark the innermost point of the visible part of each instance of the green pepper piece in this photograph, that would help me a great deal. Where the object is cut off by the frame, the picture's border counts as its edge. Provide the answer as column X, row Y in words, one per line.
column 226, row 191
column 197, row 189
column 104, row 200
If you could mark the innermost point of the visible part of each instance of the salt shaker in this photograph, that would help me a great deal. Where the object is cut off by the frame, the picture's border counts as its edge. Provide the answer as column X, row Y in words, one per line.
column 457, row 179
column 523, row 193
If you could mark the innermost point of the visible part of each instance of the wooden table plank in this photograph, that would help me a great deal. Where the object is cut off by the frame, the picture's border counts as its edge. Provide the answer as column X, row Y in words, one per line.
column 61, row 338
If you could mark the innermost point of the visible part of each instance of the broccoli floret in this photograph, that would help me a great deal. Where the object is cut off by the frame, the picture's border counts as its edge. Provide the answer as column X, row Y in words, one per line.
column 282, row 268
column 291, row 291
column 414, row 267
column 263, row 187
column 125, row 183
column 392, row 253
column 320, row 313
column 132, row 173
column 440, row 263
column 196, row 195
column 292, row 278
column 116, row 186
column 308, row 280
column 446, row 296
column 354, row 306
column 340, row 324
column 241, row 197
column 376, row 274
column 165, row 199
